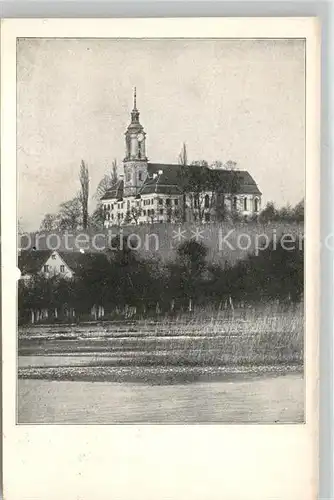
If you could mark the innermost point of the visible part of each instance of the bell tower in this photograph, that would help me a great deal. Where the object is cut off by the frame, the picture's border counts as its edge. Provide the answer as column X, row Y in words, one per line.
column 135, row 161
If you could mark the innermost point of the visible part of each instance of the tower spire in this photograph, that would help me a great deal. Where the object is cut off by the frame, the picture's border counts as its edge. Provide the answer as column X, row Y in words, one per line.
column 135, row 112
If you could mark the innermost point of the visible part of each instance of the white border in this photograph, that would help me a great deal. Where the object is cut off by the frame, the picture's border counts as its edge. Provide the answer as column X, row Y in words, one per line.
column 160, row 462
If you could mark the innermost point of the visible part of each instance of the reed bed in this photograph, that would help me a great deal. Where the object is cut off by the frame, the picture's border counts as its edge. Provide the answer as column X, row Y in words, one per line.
column 267, row 335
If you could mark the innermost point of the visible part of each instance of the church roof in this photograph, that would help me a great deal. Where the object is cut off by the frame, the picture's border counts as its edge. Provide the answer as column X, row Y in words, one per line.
column 227, row 181
column 166, row 178
column 116, row 191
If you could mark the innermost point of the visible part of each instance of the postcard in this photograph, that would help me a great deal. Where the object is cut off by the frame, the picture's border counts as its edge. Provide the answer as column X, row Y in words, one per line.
column 160, row 251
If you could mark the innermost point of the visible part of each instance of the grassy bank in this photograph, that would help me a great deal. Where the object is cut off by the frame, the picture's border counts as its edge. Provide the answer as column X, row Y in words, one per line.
column 204, row 345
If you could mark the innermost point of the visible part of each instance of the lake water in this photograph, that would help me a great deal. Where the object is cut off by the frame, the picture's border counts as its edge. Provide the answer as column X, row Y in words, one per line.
column 263, row 400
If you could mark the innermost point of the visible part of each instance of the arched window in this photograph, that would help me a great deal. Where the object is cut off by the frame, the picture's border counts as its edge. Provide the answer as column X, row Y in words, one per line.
column 245, row 204
column 207, row 201
column 256, row 205
column 108, row 207
column 235, row 202
column 140, row 176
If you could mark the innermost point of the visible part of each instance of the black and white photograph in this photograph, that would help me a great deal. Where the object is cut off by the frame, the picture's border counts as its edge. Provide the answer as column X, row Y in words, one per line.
column 160, row 230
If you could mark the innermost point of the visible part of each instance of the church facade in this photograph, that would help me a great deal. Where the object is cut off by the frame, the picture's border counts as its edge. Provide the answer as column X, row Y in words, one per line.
column 157, row 192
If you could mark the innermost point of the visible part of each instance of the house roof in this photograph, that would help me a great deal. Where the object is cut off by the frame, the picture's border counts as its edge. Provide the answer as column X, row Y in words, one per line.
column 170, row 180
column 77, row 261
column 32, row 261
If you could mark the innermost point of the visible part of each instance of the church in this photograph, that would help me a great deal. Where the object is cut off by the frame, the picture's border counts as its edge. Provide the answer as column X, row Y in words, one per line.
column 159, row 193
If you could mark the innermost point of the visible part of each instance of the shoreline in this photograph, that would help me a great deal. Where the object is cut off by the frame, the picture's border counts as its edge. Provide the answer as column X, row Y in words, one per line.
column 157, row 375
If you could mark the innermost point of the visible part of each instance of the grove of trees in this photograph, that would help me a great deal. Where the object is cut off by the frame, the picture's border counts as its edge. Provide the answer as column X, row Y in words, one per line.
column 119, row 278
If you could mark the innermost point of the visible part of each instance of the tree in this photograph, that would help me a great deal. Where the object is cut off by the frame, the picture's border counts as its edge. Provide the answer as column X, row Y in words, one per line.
column 114, row 174
column 133, row 215
column 269, row 213
column 186, row 273
column 70, row 215
column 230, row 165
column 50, row 223
column 298, row 211
column 200, row 163
column 96, row 220
column 84, row 193
column 182, row 179
column 107, row 181
column 217, row 164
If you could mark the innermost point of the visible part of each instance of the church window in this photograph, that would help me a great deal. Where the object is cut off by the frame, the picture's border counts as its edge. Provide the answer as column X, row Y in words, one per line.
column 256, row 205
column 245, row 203
column 128, row 177
column 207, row 201
column 140, row 176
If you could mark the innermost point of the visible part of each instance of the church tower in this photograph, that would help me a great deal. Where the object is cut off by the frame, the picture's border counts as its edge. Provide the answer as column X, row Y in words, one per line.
column 135, row 161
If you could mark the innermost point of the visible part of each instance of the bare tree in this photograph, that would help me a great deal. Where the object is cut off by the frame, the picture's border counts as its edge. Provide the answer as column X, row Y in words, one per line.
column 84, row 193
column 114, row 173
column 107, row 181
column 183, row 156
column 182, row 179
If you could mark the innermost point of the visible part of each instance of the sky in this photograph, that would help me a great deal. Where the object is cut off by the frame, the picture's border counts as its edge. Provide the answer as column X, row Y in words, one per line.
column 239, row 100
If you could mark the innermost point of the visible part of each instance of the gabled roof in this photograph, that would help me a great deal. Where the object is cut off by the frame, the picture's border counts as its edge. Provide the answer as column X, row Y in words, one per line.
column 78, row 261
column 165, row 183
column 170, row 180
column 115, row 191
column 235, row 181
column 227, row 181
column 32, row 261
